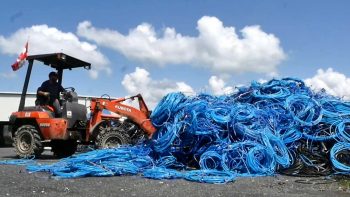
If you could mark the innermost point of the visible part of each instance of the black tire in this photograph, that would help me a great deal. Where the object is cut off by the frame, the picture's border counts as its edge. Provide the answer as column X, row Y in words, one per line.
column 136, row 134
column 2, row 140
column 63, row 148
column 27, row 142
column 111, row 138
column 104, row 125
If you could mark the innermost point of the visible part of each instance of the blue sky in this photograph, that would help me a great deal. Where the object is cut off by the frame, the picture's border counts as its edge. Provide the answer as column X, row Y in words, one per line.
column 311, row 35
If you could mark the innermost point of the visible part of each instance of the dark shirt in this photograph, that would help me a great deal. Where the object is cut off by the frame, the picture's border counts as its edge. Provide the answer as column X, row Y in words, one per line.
column 53, row 88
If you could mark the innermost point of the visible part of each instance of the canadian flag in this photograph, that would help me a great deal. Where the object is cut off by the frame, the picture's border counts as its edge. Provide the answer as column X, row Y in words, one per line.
column 21, row 59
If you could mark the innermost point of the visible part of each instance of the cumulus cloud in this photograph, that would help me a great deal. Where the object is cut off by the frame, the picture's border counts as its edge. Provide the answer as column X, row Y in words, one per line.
column 216, row 47
column 333, row 82
column 152, row 90
column 44, row 39
column 218, row 86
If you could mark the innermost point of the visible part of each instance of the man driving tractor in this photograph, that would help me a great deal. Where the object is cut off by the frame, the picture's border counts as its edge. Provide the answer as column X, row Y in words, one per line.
column 34, row 127
column 49, row 91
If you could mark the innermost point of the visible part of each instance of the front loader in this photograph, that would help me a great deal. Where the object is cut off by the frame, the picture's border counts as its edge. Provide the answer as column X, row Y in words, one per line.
column 127, row 125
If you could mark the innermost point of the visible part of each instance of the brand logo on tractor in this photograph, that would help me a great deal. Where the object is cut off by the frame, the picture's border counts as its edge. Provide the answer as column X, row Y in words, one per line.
column 123, row 108
column 44, row 124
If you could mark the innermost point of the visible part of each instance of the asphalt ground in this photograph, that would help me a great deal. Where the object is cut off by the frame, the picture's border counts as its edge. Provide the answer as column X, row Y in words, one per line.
column 16, row 181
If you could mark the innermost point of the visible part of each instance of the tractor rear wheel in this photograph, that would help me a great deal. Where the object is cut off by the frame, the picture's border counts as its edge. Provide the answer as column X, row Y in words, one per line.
column 111, row 137
column 27, row 142
column 63, row 148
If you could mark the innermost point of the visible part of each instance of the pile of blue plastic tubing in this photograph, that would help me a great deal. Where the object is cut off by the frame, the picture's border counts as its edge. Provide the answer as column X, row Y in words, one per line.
column 280, row 126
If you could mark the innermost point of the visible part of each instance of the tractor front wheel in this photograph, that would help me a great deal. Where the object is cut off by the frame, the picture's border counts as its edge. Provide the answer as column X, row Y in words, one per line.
column 27, row 142
column 111, row 138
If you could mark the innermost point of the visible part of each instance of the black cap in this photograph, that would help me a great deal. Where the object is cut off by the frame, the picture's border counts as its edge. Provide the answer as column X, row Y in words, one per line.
column 53, row 74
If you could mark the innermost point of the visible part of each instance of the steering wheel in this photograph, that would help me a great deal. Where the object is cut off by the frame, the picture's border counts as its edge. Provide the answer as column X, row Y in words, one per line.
column 105, row 96
column 70, row 88
column 67, row 94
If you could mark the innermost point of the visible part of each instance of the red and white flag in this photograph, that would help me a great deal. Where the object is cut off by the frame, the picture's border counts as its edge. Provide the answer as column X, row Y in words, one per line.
column 21, row 59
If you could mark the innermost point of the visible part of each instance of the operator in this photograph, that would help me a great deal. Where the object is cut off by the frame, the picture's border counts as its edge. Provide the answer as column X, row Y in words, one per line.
column 51, row 90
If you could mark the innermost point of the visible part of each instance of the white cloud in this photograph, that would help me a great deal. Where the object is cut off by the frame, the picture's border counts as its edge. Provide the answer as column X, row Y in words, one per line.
column 218, row 86
column 217, row 47
column 333, row 82
column 153, row 91
column 44, row 39
column 8, row 75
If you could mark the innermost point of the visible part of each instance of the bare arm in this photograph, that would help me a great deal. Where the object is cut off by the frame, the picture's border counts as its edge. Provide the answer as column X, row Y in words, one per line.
column 43, row 89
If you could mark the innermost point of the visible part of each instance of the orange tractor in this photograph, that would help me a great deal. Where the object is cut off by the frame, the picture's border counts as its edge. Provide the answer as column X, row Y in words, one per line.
column 36, row 127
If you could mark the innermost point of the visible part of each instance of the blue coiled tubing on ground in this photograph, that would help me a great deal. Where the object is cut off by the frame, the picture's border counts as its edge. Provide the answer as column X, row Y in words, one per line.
column 280, row 126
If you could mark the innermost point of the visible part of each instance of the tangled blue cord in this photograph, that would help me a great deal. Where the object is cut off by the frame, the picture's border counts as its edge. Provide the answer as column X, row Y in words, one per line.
column 344, row 165
column 256, row 131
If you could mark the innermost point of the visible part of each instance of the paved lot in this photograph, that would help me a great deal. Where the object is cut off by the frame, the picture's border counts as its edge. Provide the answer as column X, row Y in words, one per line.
column 15, row 181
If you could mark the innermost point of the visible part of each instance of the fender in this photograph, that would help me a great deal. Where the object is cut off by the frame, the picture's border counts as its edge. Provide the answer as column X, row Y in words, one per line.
column 51, row 128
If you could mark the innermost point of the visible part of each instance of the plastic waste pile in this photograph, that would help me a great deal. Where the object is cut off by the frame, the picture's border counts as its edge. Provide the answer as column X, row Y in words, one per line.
column 280, row 126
